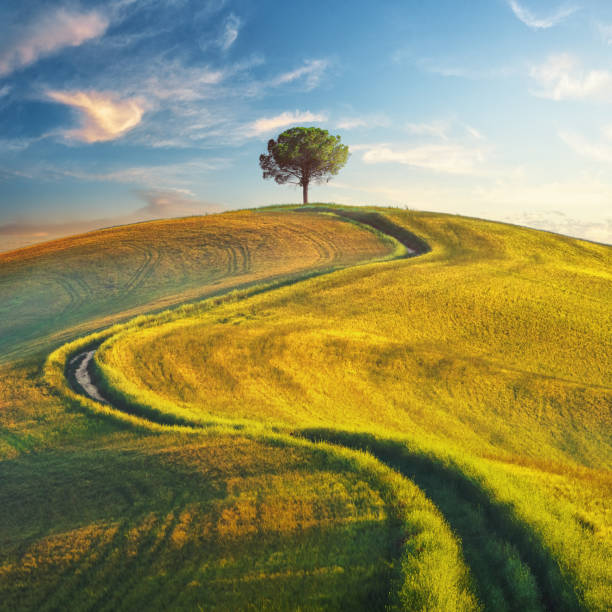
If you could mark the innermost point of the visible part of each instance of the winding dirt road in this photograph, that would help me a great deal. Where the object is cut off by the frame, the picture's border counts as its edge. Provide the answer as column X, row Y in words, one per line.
column 79, row 365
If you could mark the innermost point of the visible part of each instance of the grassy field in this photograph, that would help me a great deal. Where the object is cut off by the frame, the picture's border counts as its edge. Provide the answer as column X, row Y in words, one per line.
column 420, row 434
column 54, row 291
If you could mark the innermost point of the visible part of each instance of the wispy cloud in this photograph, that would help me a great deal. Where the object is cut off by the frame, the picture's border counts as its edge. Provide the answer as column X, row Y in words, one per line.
column 562, row 77
column 595, row 151
column 444, row 129
column 231, row 27
column 268, row 124
column 177, row 83
column 605, row 31
column 350, row 123
column 576, row 206
column 544, row 22
column 104, row 116
column 450, row 68
column 561, row 223
column 474, row 133
column 47, row 33
column 444, row 158
column 369, row 121
column 438, row 129
column 312, row 71
column 162, row 204
column 158, row 177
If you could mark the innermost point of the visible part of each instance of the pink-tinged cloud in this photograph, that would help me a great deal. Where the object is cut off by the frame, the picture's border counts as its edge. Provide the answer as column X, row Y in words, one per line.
column 267, row 124
column 158, row 204
column 46, row 34
column 103, row 115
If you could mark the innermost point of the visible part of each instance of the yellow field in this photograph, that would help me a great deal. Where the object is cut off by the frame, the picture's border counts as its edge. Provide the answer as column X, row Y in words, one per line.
column 521, row 342
column 493, row 349
column 477, row 378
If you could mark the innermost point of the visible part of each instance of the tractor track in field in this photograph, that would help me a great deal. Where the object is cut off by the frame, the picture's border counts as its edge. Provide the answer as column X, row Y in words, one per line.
column 491, row 536
column 151, row 257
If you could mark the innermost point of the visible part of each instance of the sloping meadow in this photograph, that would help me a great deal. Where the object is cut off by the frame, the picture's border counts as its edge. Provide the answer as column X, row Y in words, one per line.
column 420, row 434
column 488, row 358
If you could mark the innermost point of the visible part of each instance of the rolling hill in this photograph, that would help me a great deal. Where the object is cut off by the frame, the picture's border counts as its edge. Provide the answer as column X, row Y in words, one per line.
column 417, row 433
column 59, row 289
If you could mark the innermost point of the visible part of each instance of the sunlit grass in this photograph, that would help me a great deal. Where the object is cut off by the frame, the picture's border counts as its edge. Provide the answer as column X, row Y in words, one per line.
column 229, row 471
column 222, row 522
column 493, row 350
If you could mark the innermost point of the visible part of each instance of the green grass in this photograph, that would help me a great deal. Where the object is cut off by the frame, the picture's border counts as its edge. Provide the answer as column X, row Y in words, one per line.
column 213, row 523
column 428, row 433
column 510, row 367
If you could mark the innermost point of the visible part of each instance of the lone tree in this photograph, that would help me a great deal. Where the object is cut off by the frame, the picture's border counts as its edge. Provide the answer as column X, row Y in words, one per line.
column 301, row 155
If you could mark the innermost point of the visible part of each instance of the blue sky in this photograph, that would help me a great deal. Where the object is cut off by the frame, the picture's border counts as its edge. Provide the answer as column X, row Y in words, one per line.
column 123, row 110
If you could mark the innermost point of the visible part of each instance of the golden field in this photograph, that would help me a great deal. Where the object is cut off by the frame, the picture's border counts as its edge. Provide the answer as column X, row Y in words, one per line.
column 57, row 290
column 428, row 433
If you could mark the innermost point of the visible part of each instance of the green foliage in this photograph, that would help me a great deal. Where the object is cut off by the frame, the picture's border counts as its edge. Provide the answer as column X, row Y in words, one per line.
column 303, row 155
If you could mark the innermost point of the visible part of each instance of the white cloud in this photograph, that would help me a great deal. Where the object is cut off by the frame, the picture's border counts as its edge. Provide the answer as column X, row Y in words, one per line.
column 350, row 123
column 159, row 177
column 46, row 34
column 267, row 124
column 600, row 152
column 561, row 77
column 577, row 206
column 537, row 23
column 443, row 129
column 449, row 68
column 230, row 32
column 445, row 158
column 474, row 133
column 312, row 70
column 172, row 81
column 560, row 223
column 104, row 116
column 438, row 129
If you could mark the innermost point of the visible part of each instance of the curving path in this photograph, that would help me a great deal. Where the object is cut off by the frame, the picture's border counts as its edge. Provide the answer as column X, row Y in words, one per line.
column 492, row 537
column 79, row 366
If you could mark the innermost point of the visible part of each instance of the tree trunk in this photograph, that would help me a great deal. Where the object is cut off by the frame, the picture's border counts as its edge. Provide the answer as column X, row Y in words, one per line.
column 305, row 192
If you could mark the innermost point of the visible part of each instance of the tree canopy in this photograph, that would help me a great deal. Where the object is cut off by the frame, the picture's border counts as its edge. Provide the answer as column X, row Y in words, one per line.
column 303, row 154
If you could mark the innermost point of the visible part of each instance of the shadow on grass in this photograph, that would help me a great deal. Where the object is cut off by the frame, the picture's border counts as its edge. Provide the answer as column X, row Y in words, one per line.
column 126, row 530
column 511, row 568
column 414, row 244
